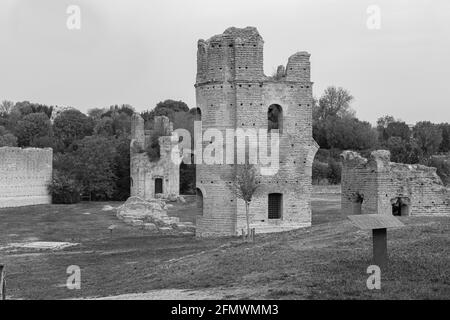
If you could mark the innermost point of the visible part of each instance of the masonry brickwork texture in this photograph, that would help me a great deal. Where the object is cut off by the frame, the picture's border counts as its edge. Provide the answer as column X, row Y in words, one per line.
column 24, row 176
column 380, row 183
column 145, row 172
column 232, row 92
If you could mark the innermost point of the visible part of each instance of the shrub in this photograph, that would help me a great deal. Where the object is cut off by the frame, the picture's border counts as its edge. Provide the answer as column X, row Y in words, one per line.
column 94, row 166
column 71, row 125
column 404, row 151
column 443, row 169
column 47, row 142
column 324, row 155
column 153, row 149
column 326, row 167
column 334, row 171
column 8, row 140
column 64, row 189
column 32, row 126
column 122, row 168
column 319, row 172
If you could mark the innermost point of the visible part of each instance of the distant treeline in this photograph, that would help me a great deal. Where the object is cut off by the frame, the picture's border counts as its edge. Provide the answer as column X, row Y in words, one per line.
column 92, row 151
column 336, row 128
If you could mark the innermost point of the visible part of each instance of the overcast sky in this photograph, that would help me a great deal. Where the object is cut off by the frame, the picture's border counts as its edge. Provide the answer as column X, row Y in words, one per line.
column 143, row 51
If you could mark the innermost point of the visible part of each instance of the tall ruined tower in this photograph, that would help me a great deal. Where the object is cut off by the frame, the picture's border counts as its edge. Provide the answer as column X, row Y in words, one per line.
column 232, row 92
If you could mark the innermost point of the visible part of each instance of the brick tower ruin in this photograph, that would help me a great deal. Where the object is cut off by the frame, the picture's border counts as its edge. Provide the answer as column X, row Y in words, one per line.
column 232, row 92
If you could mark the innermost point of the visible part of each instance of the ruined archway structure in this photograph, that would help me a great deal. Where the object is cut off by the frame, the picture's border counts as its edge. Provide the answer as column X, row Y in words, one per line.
column 232, row 92
column 391, row 188
column 151, row 179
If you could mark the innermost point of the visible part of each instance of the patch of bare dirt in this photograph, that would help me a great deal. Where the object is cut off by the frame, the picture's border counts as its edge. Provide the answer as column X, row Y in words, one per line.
column 219, row 293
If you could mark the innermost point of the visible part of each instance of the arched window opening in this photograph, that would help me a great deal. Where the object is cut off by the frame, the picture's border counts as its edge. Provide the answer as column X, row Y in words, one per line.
column 275, row 118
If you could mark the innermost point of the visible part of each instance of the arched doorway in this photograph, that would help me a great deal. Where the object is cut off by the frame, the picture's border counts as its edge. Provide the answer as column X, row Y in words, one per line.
column 400, row 206
column 275, row 118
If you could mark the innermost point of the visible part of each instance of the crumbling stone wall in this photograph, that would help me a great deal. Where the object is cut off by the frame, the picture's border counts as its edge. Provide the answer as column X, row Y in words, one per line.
column 233, row 92
column 24, row 176
column 145, row 172
column 380, row 183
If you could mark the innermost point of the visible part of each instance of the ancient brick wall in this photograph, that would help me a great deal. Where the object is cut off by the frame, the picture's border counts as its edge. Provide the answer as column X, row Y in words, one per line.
column 232, row 92
column 24, row 176
column 144, row 172
column 382, row 183
column 358, row 182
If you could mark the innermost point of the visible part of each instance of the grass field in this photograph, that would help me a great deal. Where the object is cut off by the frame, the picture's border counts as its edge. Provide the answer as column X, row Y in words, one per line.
column 327, row 261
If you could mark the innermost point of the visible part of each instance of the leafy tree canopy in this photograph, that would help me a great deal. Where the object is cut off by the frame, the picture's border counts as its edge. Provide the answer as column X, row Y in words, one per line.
column 71, row 125
column 94, row 166
column 335, row 102
column 32, row 126
column 166, row 108
column 428, row 137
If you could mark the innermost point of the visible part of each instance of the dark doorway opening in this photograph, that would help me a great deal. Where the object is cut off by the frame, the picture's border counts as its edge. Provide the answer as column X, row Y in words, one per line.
column 400, row 207
column 199, row 201
column 158, row 185
column 275, row 205
column 187, row 178
column 357, row 204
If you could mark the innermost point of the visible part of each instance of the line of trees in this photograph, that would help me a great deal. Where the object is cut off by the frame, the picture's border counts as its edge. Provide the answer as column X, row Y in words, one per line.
column 91, row 151
column 92, row 156
column 336, row 128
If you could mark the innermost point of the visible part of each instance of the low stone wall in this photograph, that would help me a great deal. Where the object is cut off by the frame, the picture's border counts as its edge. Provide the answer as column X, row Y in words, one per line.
column 377, row 185
column 24, row 176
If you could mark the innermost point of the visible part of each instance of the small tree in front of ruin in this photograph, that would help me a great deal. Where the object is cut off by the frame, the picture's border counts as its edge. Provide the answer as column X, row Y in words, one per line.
column 245, row 186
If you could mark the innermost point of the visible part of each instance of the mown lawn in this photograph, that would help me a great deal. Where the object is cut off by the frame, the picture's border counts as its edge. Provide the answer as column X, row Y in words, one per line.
column 327, row 261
